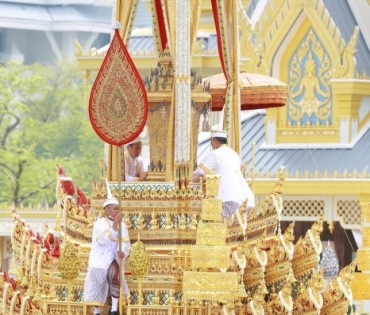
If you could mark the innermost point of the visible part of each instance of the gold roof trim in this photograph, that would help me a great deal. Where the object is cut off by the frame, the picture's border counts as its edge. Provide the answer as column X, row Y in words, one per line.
column 277, row 13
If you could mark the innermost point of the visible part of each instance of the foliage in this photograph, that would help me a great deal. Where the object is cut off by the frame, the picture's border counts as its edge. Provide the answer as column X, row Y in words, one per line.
column 43, row 121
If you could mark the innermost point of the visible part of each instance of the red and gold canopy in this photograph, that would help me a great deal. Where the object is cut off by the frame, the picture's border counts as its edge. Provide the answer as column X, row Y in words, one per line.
column 256, row 91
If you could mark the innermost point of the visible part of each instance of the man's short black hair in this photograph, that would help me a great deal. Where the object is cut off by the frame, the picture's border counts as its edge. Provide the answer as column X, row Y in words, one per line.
column 221, row 140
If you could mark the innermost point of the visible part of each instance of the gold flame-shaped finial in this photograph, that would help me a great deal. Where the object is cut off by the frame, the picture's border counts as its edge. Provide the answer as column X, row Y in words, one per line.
column 212, row 184
column 139, row 259
column 69, row 263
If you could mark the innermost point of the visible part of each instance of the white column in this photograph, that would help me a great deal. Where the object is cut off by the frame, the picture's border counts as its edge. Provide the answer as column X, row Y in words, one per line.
column 354, row 128
column 90, row 41
column 344, row 130
column 270, row 131
column 54, row 45
column 182, row 87
column 68, row 43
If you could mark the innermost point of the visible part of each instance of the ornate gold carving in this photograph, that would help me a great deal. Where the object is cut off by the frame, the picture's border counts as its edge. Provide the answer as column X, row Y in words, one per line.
column 216, row 286
column 363, row 259
column 310, row 91
column 314, row 208
column 164, row 267
column 212, row 184
column 256, row 305
column 310, row 298
column 302, row 3
column 69, row 263
column 282, row 303
column 69, row 267
column 275, row 16
column 217, row 256
column 307, row 250
column 211, row 209
column 279, row 257
column 248, row 46
column 349, row 211
column 160, row 85
column 162, row 215
column 363, row 75
column 366, row 236
column 78, row 50
column 345, row 67
column 306, row 173
column 360, row 286
column 211, row 234
column 338, row 295
column 256, row 261
column 139, row 260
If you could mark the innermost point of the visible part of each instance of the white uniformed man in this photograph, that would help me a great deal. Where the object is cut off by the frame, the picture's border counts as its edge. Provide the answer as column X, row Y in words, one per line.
column 103, row 272
column 134, row 163
column 234, row 189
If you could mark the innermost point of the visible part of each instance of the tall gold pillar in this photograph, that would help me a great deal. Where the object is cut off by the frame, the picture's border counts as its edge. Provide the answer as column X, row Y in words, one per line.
column 1, row 253
column 361, row 282
column 86, row 75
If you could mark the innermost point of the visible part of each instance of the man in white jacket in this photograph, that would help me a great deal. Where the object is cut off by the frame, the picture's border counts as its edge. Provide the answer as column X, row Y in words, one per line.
column 224, row 161
column 103, row 273
column 134, row 163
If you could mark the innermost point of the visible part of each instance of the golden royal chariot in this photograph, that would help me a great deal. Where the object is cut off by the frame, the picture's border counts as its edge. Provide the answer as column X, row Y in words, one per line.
column 184, row 259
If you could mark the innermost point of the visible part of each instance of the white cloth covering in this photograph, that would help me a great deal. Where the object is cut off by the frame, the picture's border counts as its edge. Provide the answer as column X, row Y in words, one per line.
column 233, row 186
column 103, row 250
column 134, row 167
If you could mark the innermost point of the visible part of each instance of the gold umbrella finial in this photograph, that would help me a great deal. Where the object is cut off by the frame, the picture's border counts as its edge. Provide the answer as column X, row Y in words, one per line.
column 139, row 264
column 69, row 267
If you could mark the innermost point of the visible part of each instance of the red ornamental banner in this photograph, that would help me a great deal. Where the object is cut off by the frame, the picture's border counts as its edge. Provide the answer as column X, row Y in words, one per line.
column 118, row 105
column 223, row 37
column 159, row 20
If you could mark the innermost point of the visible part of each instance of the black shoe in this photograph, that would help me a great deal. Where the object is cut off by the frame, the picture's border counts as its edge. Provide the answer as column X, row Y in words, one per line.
column 112, row 313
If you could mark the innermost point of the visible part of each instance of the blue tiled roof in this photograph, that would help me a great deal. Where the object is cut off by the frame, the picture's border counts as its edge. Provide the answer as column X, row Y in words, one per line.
column 293, row 159
column 79, row 13
column 87, row 14
column 55, row 13
column 212, row 42
column 141, row 43
column 24, row 12
column 252, row 6
column 145, row 43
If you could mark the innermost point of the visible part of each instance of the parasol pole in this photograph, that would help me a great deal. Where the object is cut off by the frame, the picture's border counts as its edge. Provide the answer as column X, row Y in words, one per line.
column 253, row 167
column 140, row 281
column 107, row 80
column 236, row 89
column 119, row 171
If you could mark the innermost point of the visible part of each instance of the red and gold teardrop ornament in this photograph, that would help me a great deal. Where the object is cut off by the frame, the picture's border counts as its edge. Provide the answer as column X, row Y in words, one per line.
column 118, row 105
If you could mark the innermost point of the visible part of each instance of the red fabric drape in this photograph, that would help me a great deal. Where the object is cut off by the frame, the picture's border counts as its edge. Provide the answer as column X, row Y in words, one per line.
column 219, row 36
column 161, row 24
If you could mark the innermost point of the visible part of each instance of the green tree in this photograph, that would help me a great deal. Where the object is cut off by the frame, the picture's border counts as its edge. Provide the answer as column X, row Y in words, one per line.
column 44, row 122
